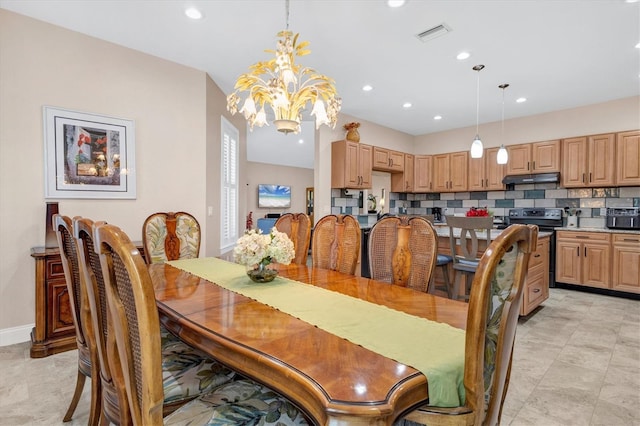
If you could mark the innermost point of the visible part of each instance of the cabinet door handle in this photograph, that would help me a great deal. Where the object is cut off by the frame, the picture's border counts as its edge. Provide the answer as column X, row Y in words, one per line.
column 630, row 240
column 536, row 255
column 534, row 165
column 582, row 237
column 536, row 290
column 583, row 176
column 585, row 252
column 578, row 251
column 590, row 180
column 527, row 165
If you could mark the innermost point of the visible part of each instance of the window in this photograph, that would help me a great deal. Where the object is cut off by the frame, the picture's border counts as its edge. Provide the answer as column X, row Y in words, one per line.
column 229, row 186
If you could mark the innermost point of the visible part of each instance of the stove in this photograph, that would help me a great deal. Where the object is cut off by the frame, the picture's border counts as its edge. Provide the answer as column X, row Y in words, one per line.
column 547, row 220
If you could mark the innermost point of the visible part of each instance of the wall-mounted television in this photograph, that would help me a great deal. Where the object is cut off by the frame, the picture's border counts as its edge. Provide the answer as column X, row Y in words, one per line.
column 274, row 196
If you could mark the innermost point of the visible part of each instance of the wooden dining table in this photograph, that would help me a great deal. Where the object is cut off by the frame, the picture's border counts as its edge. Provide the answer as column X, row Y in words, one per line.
column 333, row 380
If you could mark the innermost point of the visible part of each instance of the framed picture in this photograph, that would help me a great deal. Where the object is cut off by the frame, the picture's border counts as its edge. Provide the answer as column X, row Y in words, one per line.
column 88, row 155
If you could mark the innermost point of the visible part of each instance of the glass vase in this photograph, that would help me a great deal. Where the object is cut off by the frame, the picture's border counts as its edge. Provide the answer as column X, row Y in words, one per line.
column 261, row 273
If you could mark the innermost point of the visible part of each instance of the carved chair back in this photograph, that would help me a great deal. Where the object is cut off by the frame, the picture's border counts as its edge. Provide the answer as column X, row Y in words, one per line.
column 336, row 243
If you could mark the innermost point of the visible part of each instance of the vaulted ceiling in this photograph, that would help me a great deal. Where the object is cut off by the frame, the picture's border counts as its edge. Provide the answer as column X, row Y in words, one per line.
column 558, row 54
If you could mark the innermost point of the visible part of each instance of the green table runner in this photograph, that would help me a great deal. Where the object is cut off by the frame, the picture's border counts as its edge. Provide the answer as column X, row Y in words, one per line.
column 435, row 349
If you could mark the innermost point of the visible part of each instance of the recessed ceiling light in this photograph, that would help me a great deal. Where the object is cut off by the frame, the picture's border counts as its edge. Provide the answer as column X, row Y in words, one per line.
column 463, row 55
column 367, row 88
column 437, row 117
column 638, row 45
column 193, row 13
column 300, row 141
column 406, row 105
column 631, row 1
column 521, row 100
column 395, row 3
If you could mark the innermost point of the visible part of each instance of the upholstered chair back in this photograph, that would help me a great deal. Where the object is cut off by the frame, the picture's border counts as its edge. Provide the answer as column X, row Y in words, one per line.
column 170, row 236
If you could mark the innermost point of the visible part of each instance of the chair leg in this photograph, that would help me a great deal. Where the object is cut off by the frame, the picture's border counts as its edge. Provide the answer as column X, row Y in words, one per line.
column 96, row 399
column 456, row 286
column 447, row 282
column 76, row 396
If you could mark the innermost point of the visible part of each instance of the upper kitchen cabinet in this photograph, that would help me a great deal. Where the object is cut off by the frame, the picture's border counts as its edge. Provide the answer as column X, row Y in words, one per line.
column 588, row 161
column 423, row 173
column 485, row 174
column 628, row 164
column 537, row 157
column 386, row 160
column 405, row 181
column 450, row 172
column 351, row 165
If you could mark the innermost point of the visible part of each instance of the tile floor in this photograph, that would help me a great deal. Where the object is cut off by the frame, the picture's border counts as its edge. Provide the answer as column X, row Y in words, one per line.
column 576, row 362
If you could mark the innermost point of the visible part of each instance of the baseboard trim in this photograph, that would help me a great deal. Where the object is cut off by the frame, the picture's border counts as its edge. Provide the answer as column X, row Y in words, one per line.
column 13, row 335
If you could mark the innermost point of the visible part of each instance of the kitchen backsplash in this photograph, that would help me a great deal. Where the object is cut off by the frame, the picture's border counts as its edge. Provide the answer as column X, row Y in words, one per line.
column 591, row 201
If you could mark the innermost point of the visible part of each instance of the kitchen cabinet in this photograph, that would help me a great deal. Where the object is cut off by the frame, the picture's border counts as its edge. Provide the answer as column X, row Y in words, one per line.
column 404, row 182
column 536, row 157
column 485, row 174
column 351, row 165
column 588, row 161
column 450, row 172
column 628, row 163
column 536, row 285
column 386, row 160
column 626, row 262
column 423, row 169
column 583, row 258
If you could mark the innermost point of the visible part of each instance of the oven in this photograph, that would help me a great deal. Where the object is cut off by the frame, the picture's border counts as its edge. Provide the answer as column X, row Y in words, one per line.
column 547, row 220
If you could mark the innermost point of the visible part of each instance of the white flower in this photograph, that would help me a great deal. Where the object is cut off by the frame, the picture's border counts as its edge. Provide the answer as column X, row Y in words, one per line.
column 254, row 247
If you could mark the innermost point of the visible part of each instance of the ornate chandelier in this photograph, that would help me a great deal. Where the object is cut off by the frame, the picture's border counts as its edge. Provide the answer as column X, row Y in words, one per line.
column 286, row 87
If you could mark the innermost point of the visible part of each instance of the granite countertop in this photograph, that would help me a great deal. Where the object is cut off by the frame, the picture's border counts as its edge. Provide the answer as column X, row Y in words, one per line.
column 605, row 230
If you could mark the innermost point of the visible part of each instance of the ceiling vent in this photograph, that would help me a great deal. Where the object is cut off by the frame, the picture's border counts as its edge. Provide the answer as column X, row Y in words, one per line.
column 431, row 33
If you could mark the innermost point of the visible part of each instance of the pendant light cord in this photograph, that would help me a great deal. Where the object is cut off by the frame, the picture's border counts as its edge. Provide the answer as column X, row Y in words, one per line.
column 287, row 13
column 478, row 103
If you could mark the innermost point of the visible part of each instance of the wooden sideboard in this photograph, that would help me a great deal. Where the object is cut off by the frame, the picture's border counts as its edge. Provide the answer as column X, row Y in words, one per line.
column 54, row 330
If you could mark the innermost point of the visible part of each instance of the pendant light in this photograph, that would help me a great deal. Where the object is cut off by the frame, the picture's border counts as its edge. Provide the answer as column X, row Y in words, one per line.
column 476, row 146
column 503, row 155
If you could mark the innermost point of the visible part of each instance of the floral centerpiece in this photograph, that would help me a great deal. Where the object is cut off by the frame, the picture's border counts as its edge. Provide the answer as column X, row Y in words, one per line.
column 257, row 251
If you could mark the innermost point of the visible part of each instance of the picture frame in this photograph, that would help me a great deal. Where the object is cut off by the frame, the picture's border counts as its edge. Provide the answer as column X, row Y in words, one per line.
column 88, row 155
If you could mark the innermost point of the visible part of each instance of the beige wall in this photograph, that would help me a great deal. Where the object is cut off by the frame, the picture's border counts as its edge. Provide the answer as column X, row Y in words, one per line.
column 298, row 178
column 176, row 111
column 613, row 116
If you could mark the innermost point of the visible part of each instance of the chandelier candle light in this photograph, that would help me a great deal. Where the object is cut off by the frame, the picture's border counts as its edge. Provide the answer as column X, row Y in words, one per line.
column 476, row 146
column 286, row 87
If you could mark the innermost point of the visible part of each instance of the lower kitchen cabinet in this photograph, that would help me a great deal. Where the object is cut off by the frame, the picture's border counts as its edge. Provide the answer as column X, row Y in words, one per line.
column 536, row 286
column 626, row 263
column 583, row 258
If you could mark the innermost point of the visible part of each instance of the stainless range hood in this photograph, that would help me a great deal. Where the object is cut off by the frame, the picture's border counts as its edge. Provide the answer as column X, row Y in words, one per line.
column 532, row 178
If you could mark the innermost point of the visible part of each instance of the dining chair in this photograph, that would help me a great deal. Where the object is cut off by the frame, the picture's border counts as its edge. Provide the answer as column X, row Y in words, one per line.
column 135, row 320
column 186, row 371
column 403, row 251
column 297, row 226
column 170, row 236
column 336, row 243
column 494, row 307
column 85, row 337
column 464, row 242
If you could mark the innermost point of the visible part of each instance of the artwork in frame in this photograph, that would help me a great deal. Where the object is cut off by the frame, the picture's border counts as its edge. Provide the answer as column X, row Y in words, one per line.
column 88, row 155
